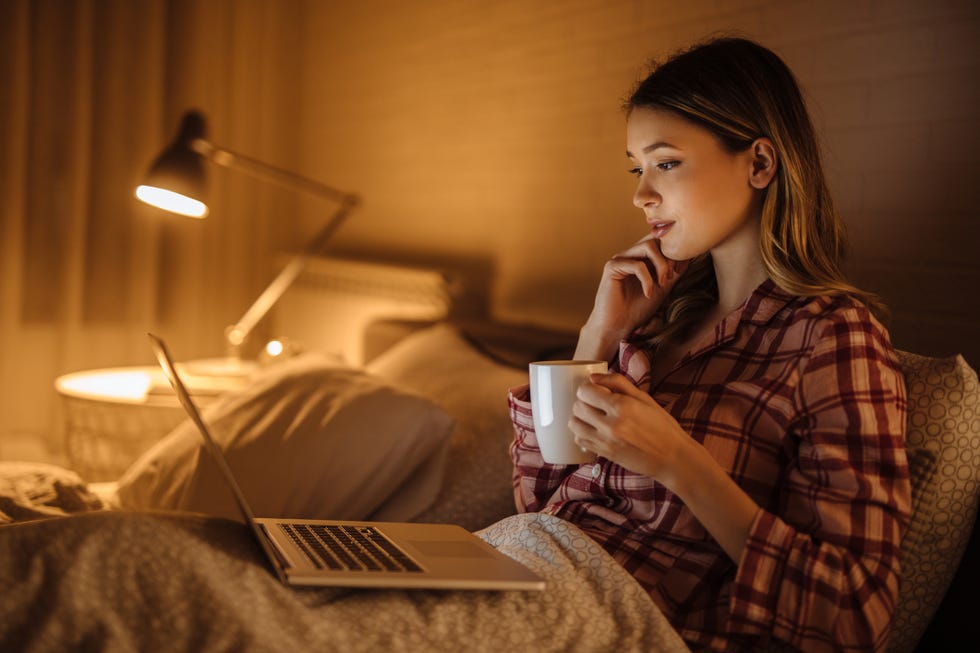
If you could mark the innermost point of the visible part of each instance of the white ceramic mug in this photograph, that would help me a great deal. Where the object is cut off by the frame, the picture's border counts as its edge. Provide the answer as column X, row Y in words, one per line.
column 553, row 387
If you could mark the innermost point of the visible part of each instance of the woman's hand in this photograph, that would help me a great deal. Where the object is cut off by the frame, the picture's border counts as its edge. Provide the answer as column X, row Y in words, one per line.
column 634, row 284
column 618, row 421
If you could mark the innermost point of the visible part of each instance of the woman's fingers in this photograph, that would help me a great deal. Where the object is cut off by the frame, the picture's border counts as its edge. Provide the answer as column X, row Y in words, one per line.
column 594, row 431
column 602, row 389
column 648, row 249
column 590, row 430
column 622, row 268
column 609, row 407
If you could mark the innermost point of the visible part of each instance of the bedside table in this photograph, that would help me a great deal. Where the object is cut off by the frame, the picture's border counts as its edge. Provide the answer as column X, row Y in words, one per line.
column 113, row 415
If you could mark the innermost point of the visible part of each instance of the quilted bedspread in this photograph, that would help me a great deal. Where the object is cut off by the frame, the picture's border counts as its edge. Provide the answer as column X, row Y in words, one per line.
column 99, row 580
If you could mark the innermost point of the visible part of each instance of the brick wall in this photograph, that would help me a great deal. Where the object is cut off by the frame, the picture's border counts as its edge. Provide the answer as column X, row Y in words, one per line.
column 491, row 132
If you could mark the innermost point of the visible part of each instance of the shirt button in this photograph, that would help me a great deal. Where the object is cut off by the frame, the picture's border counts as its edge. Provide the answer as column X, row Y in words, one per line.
column 595, row 470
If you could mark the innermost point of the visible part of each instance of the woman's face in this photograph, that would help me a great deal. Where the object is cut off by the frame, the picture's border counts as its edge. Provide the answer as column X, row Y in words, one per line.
column 695, row 194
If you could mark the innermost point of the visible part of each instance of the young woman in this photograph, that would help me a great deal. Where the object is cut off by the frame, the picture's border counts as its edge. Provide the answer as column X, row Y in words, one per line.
column 750, row 466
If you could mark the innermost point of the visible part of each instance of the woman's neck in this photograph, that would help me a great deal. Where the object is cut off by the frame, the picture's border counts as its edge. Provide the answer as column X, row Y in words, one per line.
column 739, row 270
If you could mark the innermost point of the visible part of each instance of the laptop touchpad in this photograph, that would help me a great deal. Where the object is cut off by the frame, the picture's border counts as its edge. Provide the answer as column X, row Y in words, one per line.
column 437, row 548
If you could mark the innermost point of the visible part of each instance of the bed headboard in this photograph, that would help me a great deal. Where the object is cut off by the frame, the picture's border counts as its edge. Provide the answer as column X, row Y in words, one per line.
column 334, row 300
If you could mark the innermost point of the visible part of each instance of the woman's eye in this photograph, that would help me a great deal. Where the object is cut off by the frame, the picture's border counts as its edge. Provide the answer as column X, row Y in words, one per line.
column 668, row 165
column 636, row 172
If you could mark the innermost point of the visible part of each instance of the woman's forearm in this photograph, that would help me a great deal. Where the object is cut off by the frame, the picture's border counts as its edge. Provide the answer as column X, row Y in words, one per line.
column 722, row 507
column 596, row 344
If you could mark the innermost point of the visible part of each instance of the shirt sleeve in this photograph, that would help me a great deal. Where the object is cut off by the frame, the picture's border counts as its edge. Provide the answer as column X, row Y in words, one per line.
column 535, row 481
column 821, row 571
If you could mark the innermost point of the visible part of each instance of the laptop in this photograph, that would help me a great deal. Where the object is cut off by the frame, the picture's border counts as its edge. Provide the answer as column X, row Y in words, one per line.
column 317, row 552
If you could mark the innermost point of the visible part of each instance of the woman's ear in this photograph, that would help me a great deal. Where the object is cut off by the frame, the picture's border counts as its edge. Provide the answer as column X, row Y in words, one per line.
column 764, row 163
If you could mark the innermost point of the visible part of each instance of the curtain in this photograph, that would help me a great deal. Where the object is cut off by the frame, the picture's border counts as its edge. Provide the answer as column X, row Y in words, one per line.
column 92, row 90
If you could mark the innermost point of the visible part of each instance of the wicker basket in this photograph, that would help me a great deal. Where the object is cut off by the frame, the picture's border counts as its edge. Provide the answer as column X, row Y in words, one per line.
column 113, row 415
column 102, row 438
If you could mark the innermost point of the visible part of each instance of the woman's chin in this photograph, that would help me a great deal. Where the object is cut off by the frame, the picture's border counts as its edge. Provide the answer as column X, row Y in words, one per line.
column 672, row 251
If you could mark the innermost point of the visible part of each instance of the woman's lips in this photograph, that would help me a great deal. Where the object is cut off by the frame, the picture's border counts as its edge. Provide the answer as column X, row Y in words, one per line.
column 658, row 229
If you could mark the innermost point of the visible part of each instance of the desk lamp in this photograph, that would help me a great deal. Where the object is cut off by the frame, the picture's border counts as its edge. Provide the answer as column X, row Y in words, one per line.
column 175, row 183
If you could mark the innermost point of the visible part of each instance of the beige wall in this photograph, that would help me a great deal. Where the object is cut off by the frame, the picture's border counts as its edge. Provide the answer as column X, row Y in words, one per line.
column 491, row 132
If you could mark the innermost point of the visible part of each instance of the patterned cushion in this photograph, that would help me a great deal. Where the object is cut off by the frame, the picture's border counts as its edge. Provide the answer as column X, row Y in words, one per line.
column 944, row 457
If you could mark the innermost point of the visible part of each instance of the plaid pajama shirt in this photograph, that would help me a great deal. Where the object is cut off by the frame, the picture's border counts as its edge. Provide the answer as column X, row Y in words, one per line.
column 802, row 402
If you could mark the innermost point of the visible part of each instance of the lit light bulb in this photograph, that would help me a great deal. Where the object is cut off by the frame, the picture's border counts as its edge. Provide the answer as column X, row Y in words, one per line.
column 171, row 201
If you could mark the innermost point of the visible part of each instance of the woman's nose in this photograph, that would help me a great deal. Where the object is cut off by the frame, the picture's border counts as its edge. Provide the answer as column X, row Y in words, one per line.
column 645, row 195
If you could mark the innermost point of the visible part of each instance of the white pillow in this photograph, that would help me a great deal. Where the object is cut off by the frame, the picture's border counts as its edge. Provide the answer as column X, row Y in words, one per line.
column 307, row 439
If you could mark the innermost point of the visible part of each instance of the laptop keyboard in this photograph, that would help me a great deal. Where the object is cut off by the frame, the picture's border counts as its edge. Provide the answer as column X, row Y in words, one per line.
column 351, row 548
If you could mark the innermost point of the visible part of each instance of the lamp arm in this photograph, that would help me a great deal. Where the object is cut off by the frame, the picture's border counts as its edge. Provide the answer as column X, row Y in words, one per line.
column 267, row 172
column 236, row 334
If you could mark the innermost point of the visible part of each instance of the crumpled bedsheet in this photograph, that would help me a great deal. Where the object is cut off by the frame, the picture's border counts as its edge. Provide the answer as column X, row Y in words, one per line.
column 30, row 490
column 126, row 581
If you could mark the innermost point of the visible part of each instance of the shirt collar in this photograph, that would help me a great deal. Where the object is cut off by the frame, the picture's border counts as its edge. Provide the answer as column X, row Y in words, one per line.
column 764, row 303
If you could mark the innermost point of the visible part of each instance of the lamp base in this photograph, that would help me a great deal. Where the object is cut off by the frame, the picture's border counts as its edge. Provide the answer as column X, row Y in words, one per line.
column 216, row 375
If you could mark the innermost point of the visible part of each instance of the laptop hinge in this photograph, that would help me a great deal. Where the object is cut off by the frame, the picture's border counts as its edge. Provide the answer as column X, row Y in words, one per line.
column 276, row 557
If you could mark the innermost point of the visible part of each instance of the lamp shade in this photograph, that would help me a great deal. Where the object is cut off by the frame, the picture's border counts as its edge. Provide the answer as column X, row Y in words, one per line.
column 175, row 181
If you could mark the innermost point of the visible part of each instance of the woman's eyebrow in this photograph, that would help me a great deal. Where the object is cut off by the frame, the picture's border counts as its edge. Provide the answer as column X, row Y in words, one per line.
column 652, row 147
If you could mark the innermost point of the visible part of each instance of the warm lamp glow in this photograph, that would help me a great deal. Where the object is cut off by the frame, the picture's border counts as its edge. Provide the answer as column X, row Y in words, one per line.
column 168, row 200
column 109, row 384
column 274, row 348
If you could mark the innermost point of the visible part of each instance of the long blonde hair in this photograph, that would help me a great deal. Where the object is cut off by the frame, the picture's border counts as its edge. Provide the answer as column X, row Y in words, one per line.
column 741, row 91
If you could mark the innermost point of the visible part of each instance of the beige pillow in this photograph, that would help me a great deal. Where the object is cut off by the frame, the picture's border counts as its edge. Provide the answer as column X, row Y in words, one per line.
column 307, row 439
column 943, row 441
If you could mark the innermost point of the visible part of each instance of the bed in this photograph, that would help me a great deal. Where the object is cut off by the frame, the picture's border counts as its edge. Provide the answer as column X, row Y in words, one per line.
column 157, row 560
